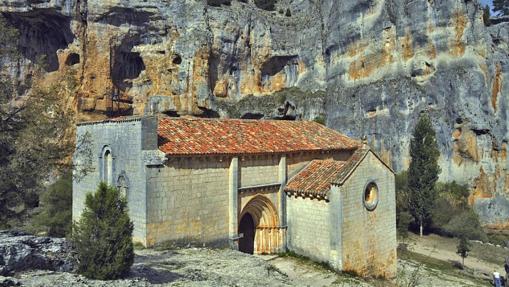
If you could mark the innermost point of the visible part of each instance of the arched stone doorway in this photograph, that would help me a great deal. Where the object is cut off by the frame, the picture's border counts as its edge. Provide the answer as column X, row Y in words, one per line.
column 259, row 224
column 247, row 228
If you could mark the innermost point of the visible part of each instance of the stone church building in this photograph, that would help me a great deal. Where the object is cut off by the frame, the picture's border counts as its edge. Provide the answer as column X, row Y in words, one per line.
column 258, row 186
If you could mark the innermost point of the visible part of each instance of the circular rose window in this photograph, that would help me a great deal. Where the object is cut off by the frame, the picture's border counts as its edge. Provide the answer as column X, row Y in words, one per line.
column 371, row 196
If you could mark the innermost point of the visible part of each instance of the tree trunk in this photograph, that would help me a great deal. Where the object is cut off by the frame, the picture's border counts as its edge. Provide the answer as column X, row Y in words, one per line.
column 462, row 262
column 420, row 229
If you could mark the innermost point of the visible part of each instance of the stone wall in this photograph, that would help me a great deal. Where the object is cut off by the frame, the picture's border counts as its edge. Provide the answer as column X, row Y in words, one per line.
column 187, row 201
column 369, row 237
column 259, row 170
column 308, row 227
column 188, row 198
column 124, row 141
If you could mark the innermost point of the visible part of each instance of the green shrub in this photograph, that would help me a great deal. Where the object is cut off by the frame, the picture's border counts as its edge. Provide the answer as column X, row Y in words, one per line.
column 498, row 238
column 455, row 193
column 56, row 203
column 452, row 216
column 466, row 224
column 103, row 236
column 404, row 219
column 320, row 119
column 442, row 213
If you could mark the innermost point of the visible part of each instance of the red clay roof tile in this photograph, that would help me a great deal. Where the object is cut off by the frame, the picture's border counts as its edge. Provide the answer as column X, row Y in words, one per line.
column 316, row 177
column 233, row 136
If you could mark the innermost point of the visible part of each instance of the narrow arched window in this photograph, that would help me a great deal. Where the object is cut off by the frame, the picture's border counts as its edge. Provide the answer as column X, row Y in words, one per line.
column 123, row 186
column 107, row 167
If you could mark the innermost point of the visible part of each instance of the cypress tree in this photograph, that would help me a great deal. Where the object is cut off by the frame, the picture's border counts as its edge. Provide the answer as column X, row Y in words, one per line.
column 423, row 171
column 103, row 236
column 501, row 6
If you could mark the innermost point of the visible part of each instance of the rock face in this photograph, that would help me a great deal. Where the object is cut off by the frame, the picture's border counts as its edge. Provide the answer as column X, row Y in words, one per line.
column 19, row 251
column 364, row 67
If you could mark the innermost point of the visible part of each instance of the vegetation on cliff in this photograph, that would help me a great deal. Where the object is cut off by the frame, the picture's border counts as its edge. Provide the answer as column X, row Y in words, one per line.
column 449, row 215
column 34, row 136
column 55, row 217
column 453, row 216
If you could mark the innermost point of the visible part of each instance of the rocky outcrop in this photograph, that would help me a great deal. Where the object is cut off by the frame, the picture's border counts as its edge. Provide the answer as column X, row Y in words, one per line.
column 8, row 282
column 364, row 67
column 20, row 251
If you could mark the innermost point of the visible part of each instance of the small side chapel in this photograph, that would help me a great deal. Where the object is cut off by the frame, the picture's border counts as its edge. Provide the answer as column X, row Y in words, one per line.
column 259, row 186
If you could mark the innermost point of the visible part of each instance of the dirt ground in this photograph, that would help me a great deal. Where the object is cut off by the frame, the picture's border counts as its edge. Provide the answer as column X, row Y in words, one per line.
column 483, row 258
column 208, row 267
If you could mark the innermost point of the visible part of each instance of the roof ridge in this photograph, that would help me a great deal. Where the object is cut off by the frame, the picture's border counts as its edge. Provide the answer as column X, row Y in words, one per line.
column 247, row 136
column 363, row 151
column 233, row 119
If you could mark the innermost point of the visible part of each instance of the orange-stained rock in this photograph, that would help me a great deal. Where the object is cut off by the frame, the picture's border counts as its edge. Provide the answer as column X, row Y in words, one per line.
column 483, row 187
column 497, row 86
column 459, row 22
column 407, row 46
column 221, row 89
column 465, row 146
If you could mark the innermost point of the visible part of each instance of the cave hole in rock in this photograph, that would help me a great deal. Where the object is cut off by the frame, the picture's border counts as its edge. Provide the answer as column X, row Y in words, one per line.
column 214, row 60
column 177, row 60
column 286, row 118
column 217, row 3
column 171, row 114
column 207, row 113
column 276, row 64
column 252, row 116
column 268, row 5
column 480, row 131
column 72, row 59
column 126, row 65
column 286, row 112
column 41, row 35
column 360, row 7
column 118, row 16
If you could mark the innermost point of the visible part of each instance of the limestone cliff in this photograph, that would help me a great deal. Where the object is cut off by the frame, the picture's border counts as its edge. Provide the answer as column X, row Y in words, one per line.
column 365, row 67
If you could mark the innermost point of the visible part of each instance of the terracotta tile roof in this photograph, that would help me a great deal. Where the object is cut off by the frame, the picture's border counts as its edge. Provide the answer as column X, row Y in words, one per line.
column 350, row 165
column 232, row 136
column 353, row 162
column 315, row 179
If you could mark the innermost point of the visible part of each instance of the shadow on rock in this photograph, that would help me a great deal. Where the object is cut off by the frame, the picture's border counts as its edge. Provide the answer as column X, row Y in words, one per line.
column 153, row 274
